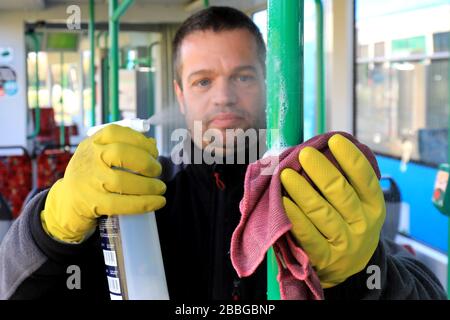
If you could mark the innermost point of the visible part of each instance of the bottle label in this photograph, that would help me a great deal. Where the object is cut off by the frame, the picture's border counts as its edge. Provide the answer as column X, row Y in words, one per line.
column 113, row 256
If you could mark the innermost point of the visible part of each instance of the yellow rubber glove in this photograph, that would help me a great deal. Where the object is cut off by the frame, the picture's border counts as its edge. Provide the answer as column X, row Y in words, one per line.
column 340, row 230
column 91, row 188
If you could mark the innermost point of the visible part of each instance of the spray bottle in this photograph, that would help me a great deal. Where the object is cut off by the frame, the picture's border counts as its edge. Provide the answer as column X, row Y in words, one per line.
column 131, row 248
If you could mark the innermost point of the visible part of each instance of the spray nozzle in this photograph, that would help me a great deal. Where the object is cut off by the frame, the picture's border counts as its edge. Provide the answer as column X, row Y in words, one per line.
column 140, row 125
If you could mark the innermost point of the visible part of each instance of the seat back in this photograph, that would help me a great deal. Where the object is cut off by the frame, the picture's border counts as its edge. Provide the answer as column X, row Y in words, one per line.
column 51, row 165
column 15, row 179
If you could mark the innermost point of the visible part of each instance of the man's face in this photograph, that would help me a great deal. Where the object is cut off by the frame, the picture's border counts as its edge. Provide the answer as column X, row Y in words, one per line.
column 222, row 82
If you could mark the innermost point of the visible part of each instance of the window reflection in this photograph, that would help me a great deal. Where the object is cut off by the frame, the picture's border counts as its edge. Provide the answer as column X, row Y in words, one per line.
column 402, row 98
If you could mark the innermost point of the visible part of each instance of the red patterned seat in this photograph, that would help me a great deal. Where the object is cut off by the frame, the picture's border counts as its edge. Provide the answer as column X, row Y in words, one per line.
column 15, row 180
column 51, row 164
column 49, row 130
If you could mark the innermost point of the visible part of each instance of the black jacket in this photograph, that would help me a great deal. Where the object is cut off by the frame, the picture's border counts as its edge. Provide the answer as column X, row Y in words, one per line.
column 195, row 229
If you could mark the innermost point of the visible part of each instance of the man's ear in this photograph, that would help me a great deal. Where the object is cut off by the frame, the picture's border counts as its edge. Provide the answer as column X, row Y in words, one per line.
column 179, row 94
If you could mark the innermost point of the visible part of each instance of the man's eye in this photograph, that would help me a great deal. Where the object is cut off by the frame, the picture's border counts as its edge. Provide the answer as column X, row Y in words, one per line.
column 202, row 83
column 245, row 78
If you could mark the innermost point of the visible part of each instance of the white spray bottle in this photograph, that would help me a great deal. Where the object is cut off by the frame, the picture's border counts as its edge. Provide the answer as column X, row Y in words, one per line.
column 131, row 247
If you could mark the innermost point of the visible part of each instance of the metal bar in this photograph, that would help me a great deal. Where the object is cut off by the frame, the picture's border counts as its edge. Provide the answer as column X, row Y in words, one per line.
column 62, row 136
column 105, row 90
column 284, row 91
column 411, row 58
column 105, row 82
column 37, row 108
column 121, row 9
column 115, row 13
column 113, row 62
column 151, row 89
column 92, row 62
column 320, row 70
column 97, row 38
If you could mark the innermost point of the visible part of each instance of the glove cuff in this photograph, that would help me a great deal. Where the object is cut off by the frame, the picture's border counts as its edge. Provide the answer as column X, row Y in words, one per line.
column 58, row 226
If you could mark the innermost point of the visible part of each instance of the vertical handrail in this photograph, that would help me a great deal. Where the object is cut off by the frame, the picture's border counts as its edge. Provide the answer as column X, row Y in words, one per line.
column 105, row 90
column 92, row 60
column 97, row 38
column 113, row 62
column 206, row 3
column 62, row 136
column 151, row 91
column 105, row 38
column 320, row 69
column 37, row 108
column 121, row 9
column 104, row 75
column 284, row 91
column 115, row 12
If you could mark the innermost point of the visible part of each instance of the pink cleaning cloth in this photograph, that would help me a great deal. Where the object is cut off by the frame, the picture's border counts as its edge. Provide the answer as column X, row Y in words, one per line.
column 264, row 222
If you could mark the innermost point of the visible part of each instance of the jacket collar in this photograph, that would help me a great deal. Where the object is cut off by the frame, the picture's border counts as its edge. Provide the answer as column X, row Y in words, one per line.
column 207, row 169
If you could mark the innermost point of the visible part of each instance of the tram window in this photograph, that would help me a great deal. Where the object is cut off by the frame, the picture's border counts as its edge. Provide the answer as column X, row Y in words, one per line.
column 44, row 97
column 55, row 89
column 363, row 51
column 402, row 80
column 64, row 87
column 379, row 49
column 441, row 42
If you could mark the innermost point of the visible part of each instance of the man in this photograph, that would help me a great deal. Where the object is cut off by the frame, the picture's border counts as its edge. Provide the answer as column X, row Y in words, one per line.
column 219, row 61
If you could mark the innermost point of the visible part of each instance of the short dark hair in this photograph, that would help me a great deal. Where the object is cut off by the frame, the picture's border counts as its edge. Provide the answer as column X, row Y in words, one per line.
column 216, row 19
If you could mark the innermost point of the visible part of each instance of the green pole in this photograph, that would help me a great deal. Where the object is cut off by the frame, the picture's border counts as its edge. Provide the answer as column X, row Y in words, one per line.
column 99, row 35
column 106, row 40
column 115, row 12
column 113, row 62
column 206, row 3
column 61, row 100
column 37, row 108
column 320, row 70
column 151, row 91
column 284, row 91
column 105, row 84
column 92, row 62
column 121, row 9
column 97, row 38
column 105, row 90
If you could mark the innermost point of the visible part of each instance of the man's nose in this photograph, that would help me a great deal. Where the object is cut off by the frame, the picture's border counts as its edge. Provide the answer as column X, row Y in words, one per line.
column 224, row 94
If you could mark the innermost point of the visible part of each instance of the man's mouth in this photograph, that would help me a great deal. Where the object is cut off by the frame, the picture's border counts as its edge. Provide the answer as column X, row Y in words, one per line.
column 225, row 120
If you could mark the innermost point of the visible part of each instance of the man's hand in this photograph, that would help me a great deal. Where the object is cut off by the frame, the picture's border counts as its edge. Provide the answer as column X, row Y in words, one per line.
column 92, row 188
column 340, row 229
